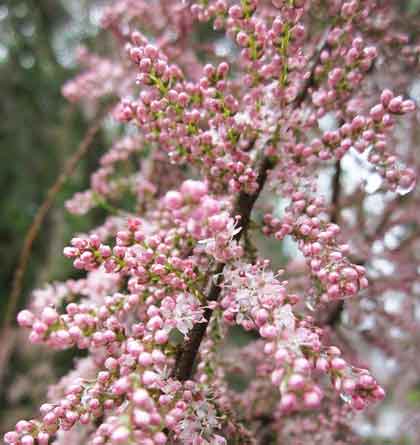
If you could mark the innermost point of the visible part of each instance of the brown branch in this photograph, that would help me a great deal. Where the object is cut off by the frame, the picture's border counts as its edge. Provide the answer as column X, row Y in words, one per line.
column 310, row 81
column 243, row 208
column 388, row 214
column 336, row 194
column 336, row 308
column 34, row 229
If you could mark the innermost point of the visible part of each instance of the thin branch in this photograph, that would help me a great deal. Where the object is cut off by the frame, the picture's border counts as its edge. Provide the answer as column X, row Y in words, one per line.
column 243, row 207
column 33, row 231
column 336, row 194
column 388, row 214
column 334, row 316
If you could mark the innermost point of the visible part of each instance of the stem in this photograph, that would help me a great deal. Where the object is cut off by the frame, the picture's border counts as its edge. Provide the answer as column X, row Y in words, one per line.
column 334, row 315
column 336, row 194
column 243, row 207
column 33, row 231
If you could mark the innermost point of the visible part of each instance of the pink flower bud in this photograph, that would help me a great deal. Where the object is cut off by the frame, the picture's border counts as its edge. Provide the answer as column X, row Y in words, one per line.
column 25, row 318
column 27, row 440
column 358, row 403
column 161, row 337
column 160, row 438
column 120, row 436
column 379, row 393
column 268, row 331
column 242, row 39
column 311, row 399
column 11, row 437
column 338, row 364
column 395, row 105
column 366, row 381
column 173, row 200
column 288, row 402
column 49, row 316
column 302, row 365
column 145, row 359
column 141, row 418
column 235, row 12
column 149, row 378
column 121, row 386
column 296, row 382
column 194, row 189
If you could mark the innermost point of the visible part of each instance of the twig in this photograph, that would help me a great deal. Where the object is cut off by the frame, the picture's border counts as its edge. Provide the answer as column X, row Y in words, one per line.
column 243, row 207
column 336, row 194
column 34, row 229
column 334, row 315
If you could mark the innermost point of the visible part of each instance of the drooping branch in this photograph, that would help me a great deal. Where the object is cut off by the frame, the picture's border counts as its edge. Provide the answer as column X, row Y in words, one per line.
column 34, row 229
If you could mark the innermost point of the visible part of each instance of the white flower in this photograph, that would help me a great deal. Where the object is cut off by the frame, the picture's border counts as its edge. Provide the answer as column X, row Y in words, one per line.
column 284, row 317
column 199, row 426
column 186, row 314
column 252, row 287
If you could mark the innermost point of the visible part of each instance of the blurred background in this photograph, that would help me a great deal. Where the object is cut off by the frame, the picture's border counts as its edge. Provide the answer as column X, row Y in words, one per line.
column 39, row 131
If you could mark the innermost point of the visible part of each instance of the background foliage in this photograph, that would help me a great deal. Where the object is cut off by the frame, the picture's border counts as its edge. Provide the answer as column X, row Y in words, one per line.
column 39, row 130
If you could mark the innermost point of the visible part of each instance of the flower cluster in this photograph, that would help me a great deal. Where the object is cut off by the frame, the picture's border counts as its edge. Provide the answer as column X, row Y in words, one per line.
column 231, row 116
column 370, row 135
column 334, row 275
column 294, row 345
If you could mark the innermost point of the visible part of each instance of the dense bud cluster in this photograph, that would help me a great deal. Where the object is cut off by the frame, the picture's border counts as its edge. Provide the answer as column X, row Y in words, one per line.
column 224, row 145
